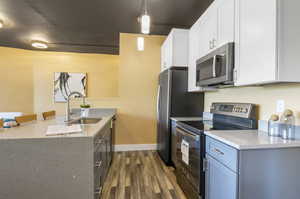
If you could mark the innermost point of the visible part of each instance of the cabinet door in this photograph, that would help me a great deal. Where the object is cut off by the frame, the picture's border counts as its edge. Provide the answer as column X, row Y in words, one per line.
column 193, row 56
column 168, row 51
column 220, row 181
column 256, row 41
column 208, row 31
column 109, row 146
column 226, row 13
column 102, row 166
column 180, row 49
column 163, row 57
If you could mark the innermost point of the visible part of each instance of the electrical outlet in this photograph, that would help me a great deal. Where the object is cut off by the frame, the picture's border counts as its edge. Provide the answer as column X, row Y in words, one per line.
column 280, row 106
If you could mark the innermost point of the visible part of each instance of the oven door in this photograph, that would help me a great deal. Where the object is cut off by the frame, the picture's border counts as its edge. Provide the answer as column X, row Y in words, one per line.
column 189, row 166
column 216, row 67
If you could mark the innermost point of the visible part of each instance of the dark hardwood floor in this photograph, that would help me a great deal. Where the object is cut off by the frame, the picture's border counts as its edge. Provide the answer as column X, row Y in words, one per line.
column 140, row 175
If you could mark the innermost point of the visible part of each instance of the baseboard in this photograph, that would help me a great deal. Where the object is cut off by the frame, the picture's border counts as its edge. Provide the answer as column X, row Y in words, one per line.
column 135, row 147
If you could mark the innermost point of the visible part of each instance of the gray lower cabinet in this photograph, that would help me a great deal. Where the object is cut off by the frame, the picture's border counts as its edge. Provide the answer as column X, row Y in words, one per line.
column 221, row 182
column 102, row 157
column 271, row 173
column 55, row 167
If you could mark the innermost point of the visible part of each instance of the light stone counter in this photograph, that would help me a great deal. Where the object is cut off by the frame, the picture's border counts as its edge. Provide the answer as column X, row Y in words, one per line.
column 38, row 129
column 251, row 139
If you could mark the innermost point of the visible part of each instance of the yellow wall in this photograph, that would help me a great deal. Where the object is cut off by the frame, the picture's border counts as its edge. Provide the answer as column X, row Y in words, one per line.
column 138, row 80
column 16, row 81
column 137, row 88
column 26, row 78
column 102, row 76
column 127, row 82
column 265, row 97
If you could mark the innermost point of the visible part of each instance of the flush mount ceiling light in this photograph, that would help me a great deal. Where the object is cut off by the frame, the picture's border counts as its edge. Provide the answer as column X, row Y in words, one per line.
column 140, row 43
column 145, row 20
column 39, row 44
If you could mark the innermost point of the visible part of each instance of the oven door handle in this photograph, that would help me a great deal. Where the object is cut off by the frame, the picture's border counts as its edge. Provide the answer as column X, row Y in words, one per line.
column 188, row 133
column 214, row 66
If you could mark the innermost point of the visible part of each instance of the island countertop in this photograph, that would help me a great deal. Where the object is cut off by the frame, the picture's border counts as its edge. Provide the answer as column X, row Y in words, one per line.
column 38, row 129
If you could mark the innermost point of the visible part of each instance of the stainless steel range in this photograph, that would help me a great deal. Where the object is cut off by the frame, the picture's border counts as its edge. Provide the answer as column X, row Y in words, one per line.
column 191, row 142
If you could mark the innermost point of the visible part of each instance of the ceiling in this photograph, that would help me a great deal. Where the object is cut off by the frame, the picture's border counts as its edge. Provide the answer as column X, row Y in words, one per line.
column 90, row 26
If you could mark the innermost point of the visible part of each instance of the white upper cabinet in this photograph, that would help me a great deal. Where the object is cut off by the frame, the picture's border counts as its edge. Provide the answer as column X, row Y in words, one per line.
column 174, row 51
column 212, row 30
column 208, row 31
column 216, row 26
column 194, row 43
column 226, row 16
column 267, row 43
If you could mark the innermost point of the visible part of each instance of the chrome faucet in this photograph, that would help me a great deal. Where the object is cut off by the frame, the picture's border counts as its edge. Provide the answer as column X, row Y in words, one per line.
column 68, row 112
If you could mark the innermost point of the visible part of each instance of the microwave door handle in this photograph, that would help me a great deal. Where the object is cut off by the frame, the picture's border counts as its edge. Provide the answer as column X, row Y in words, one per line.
column 214, row 66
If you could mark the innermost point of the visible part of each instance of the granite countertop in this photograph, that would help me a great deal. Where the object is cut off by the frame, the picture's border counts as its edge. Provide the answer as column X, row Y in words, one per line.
column 251, row 139
column 177, row 119
column 39, row 128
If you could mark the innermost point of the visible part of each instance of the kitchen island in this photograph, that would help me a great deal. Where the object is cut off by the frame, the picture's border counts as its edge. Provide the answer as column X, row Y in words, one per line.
column 34, row 165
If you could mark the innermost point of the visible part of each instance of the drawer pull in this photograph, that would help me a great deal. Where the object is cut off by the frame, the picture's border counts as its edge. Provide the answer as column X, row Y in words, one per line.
column 218, row 151
column 99, row 141
column 98, row 164
column 98, row 191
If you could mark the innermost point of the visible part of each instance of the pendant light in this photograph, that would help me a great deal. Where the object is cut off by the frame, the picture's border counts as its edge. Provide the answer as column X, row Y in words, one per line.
column 145, row 20
column 1, row 24
column 140, row 43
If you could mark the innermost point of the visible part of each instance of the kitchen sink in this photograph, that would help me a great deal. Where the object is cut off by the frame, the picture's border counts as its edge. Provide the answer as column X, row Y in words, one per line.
column 85, row 121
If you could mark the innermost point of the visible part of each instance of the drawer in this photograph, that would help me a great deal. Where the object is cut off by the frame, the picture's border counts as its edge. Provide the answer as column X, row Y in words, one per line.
column 223, row 153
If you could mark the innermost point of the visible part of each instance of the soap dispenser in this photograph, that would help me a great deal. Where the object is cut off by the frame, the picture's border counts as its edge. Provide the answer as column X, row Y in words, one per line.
column 287, row 121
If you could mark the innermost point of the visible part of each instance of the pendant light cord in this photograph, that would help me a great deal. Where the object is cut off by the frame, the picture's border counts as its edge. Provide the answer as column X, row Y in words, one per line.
column 146, row 10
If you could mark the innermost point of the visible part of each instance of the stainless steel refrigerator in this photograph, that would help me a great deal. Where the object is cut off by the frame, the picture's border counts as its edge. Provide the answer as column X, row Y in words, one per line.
column 174, row 100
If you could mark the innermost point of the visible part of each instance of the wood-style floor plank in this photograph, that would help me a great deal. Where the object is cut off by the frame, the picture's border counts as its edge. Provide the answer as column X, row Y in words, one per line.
column 140, row 175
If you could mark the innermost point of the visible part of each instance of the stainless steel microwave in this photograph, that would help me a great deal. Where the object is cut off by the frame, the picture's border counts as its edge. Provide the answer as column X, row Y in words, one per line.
column 217, row 67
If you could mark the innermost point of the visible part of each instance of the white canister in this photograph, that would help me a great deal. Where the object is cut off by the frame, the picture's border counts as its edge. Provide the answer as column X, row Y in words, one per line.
column 273, row 126
column 288, row 125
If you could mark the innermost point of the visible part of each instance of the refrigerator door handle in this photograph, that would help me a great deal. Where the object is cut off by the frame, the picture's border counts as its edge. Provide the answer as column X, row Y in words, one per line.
column 157, row 103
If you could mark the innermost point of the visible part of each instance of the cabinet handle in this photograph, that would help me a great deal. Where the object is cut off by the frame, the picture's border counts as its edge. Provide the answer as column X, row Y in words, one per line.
column 235, row 75
column 214, row 43
column 210, row 44
column 98, row 191
column 218, row 151
column 98, row 164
